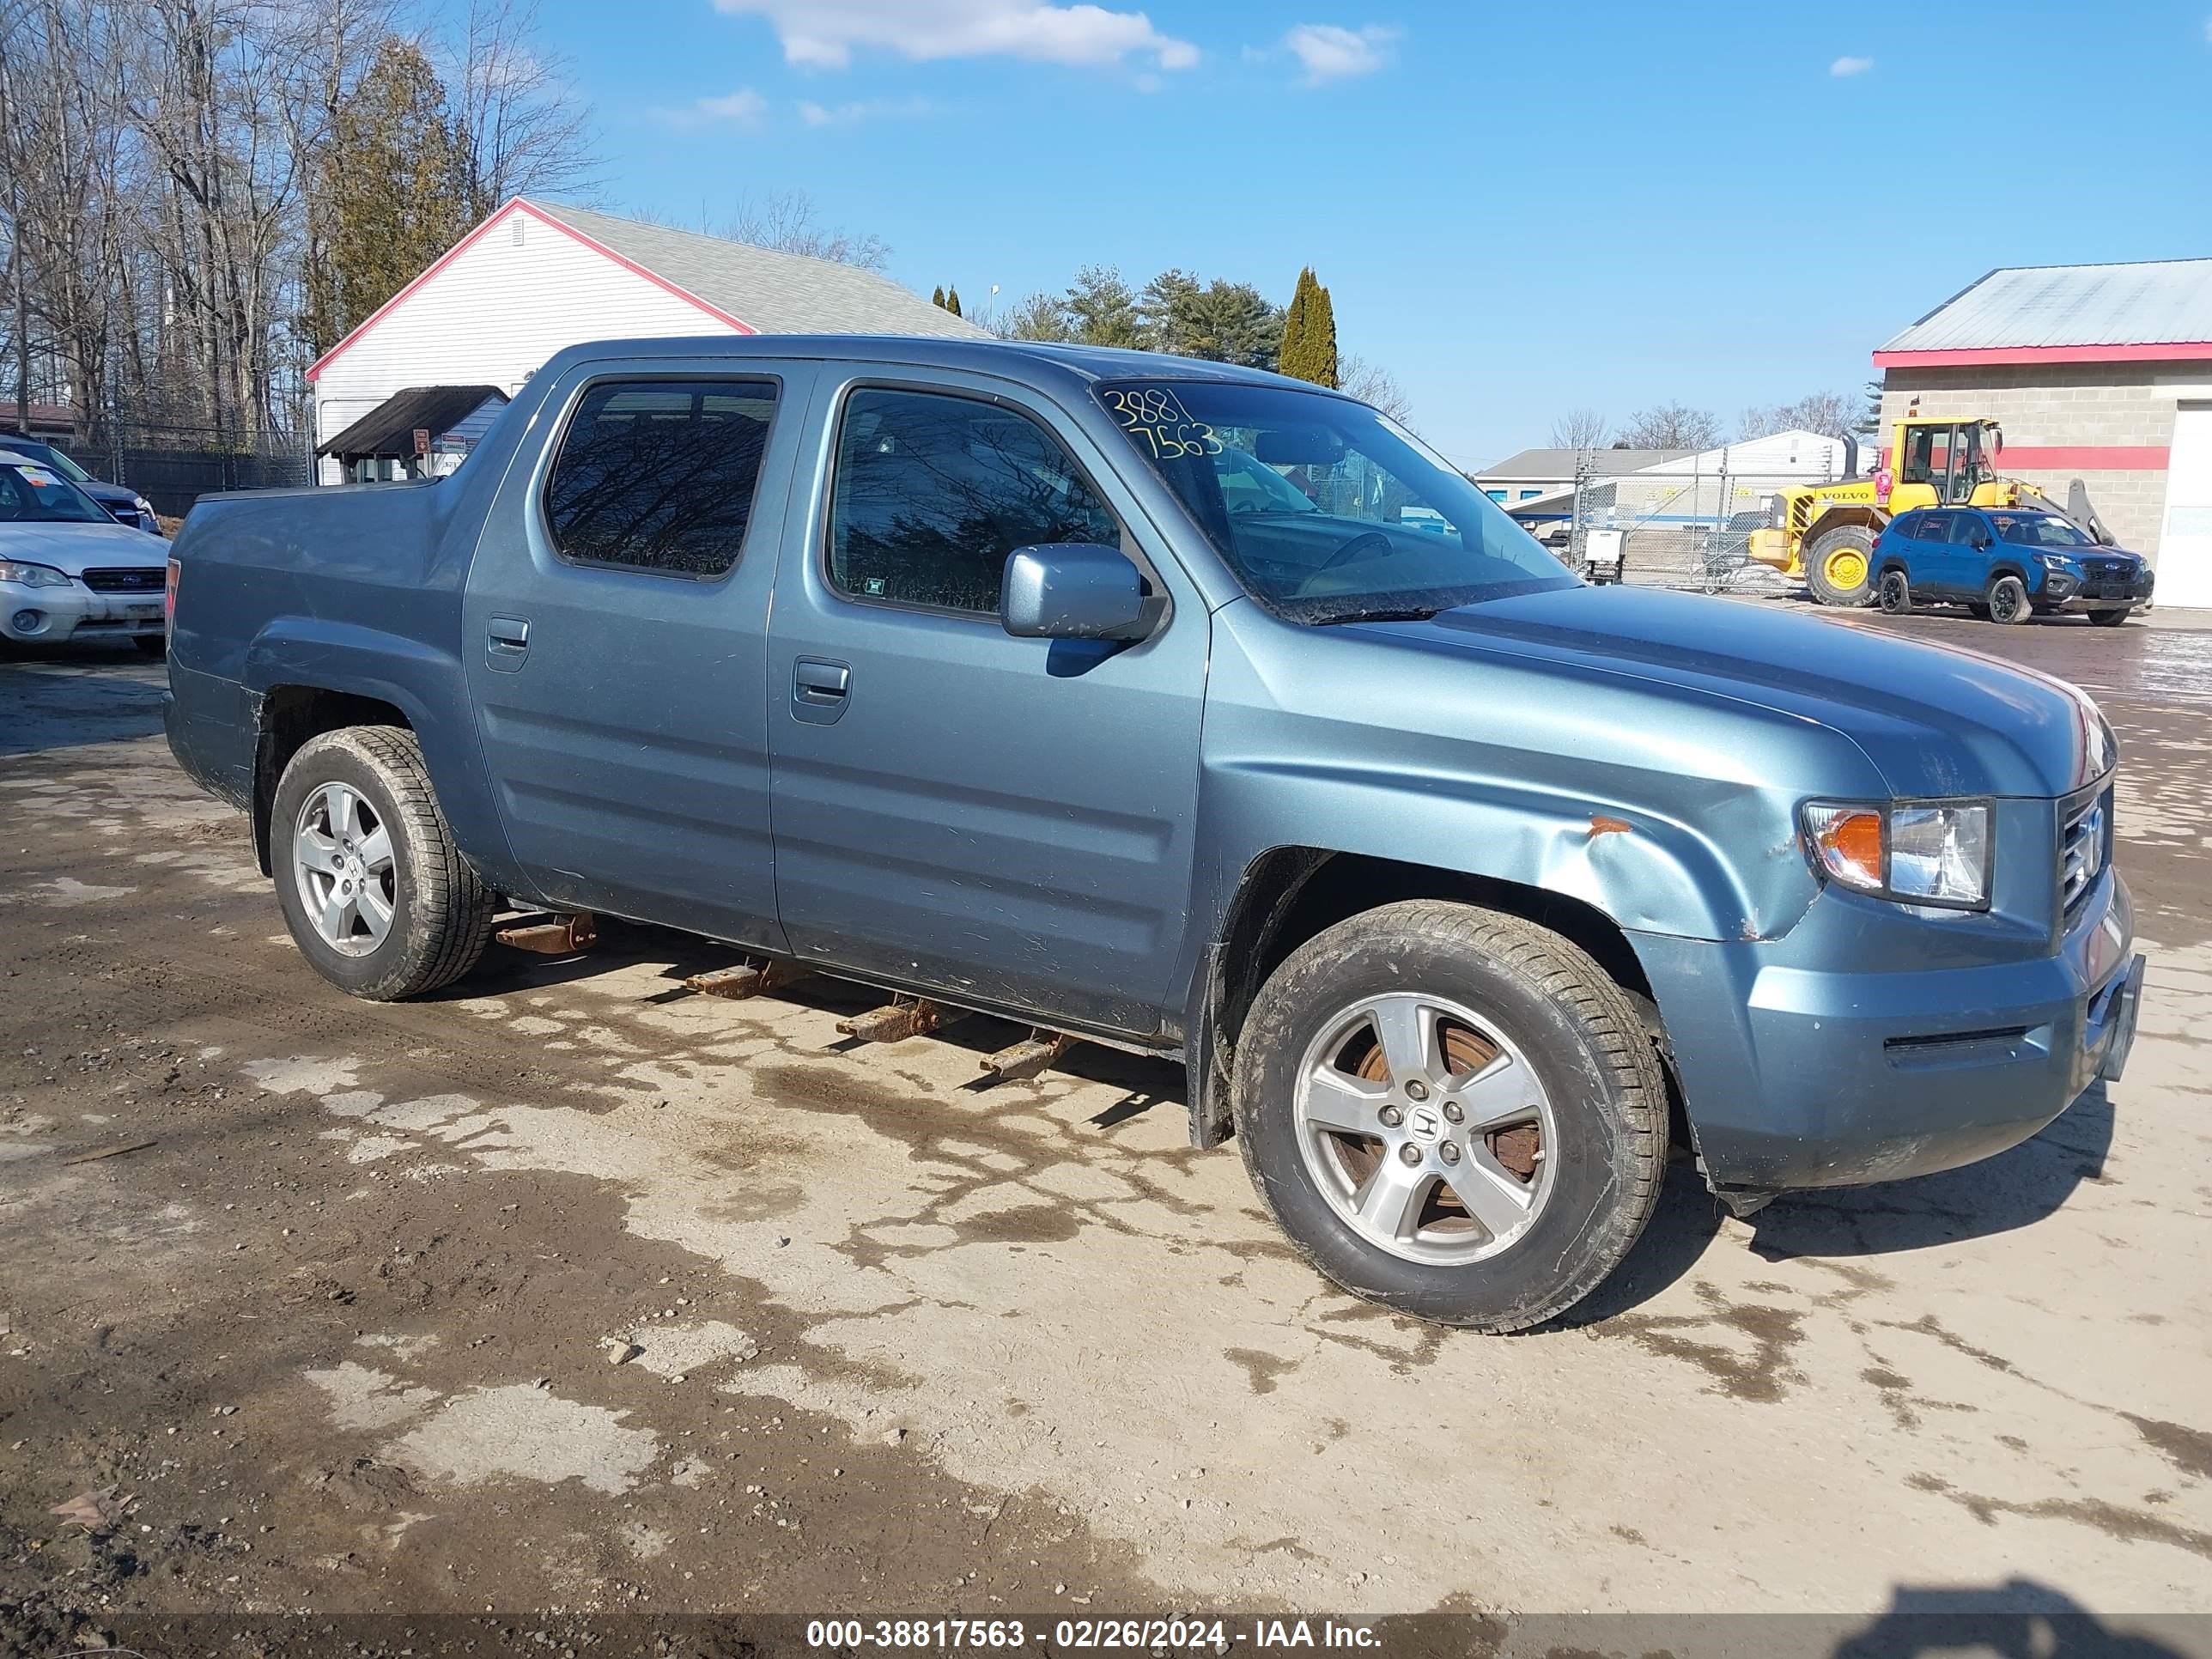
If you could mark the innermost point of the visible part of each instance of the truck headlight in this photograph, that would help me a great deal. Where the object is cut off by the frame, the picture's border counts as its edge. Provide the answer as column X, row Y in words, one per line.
column 1932, row 853
column 31, row 575
column 2058, row 562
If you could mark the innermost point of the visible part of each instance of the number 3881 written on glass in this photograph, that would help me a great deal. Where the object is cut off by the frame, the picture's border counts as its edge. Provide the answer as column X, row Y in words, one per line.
column 1157, row 416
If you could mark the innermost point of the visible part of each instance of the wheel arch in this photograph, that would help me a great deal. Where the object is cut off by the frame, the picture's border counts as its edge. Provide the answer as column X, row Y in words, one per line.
column 1288, row 894
column 311, row 675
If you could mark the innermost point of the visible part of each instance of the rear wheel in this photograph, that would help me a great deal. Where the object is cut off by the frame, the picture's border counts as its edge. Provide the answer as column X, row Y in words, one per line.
column 1839, row 565
column 2007, row 600
column 2111, row 618
column 1896, row 593
column 376, row 895
column 1452, row 1113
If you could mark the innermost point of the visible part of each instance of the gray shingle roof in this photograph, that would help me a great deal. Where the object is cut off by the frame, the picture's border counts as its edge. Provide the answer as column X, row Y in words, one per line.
column 2161, row 303
column 1541, row 464
column 775, row 293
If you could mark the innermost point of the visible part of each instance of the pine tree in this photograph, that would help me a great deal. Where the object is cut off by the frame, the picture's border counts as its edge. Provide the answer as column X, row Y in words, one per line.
column 1321, row 339
column 936, row 296
column 1296, row 322
column 952, row 301
column 1309, row 348
column 392, row 194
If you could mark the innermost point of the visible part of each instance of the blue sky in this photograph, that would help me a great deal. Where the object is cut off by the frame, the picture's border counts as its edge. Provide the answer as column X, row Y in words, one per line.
column 1518, row 209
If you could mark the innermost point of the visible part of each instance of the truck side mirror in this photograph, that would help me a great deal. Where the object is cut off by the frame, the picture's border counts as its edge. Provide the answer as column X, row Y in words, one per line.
column 1072, row 591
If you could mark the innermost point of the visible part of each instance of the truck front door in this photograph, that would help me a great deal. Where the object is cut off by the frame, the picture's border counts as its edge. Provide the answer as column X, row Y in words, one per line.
column 1007, row 819
column 615, row 630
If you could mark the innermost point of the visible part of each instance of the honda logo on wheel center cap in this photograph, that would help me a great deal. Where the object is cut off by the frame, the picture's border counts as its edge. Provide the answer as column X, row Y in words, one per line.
column 1424, row 1124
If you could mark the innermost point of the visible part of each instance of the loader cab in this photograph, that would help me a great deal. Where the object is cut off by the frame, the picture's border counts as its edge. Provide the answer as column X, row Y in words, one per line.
column 1949, row 457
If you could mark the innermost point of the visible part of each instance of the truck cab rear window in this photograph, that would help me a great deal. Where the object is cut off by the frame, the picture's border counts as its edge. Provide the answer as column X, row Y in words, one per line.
column 659, row 475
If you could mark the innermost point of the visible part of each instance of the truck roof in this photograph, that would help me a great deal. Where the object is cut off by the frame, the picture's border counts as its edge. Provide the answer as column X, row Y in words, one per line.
column 1038, row 358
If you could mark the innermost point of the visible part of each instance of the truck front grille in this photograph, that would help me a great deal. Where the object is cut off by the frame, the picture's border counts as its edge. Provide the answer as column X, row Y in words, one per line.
column 151, row 579
column 2085, row 843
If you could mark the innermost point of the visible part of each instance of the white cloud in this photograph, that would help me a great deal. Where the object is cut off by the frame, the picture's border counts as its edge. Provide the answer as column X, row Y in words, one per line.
column 868, row 109
column 1333, row 53
column 1845, row 66
column 745, row 108
column 821, row 33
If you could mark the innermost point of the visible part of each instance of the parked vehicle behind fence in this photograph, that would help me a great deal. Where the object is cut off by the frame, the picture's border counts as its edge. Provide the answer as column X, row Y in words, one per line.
column 1199, row 713
column 2005, row 565
column 67, row 570
column 122, row 504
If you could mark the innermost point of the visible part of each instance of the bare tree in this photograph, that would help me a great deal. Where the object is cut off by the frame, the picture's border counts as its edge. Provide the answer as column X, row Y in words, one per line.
column 1830, row 414
column 1671, row 426
column 1579, row 429
column 1374, row 385
column 523, row 130
column 785, row 220
column 1043, row 315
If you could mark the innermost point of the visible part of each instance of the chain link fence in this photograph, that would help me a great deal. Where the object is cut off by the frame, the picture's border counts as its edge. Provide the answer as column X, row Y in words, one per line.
column 1685, row 525
column 174, row 462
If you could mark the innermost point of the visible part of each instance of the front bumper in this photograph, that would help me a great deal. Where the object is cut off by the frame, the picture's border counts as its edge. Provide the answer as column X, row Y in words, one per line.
column 1794, row 1077
column 2061, row 591
column 48, row 616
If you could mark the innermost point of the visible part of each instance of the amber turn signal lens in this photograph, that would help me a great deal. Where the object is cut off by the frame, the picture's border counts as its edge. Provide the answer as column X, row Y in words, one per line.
column 1848, row 841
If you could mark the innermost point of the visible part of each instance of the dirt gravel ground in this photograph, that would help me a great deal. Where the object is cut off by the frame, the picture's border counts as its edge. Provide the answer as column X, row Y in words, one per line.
column 572, row 1292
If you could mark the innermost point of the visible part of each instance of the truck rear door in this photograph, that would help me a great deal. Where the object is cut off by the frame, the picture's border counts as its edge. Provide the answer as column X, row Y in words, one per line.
column 615, row 633
column 1009, row 819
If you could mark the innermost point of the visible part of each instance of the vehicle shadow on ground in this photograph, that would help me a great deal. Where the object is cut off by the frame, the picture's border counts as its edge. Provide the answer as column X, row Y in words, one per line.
column 91, row 700
column 2020, row 1619
column 2015, row 1188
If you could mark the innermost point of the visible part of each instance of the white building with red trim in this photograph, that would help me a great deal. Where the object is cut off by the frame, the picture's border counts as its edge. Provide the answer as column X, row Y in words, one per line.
column 535, row 276
column 2100, row 373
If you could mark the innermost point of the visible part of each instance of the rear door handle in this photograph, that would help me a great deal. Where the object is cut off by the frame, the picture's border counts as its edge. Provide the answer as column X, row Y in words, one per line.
column 507, row 642
column 820, row 689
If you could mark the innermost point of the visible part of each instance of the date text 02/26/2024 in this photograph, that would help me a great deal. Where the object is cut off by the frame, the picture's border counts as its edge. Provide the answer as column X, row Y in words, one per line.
column 1108, row 1634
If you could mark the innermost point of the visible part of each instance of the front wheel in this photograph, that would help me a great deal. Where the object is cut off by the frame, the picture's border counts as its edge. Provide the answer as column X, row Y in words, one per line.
column 2008, row 602
column 2111, row 618
column 377, row 896
column 1896, row 593
column 1453, row 1113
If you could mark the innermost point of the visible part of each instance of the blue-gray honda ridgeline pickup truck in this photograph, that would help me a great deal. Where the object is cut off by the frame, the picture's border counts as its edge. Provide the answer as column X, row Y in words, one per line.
column 1197, row 712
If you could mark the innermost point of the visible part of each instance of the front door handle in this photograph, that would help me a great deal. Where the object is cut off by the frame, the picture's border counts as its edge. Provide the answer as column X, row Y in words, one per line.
column 820, row 689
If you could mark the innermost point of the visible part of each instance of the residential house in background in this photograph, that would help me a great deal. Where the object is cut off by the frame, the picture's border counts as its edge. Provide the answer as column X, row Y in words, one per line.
column 535, row 276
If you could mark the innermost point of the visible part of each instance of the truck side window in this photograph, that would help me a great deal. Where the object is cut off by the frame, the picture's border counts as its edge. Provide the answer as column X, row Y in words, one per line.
column 932, row 492
column 659, row 475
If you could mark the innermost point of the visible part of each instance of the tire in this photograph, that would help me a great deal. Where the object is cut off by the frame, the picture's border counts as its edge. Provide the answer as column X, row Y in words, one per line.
column 1838, row 567
column 1523, row 1001
column 436, row 915
column 2008, row 602
column 1896, row 591
column 2111, row 618
column 1977, row 610
column 153, row 645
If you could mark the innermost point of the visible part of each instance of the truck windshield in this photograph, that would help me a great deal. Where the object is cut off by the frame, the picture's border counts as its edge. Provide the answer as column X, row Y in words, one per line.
column 1327, row 510
column 2038, row 530
column 37, row 494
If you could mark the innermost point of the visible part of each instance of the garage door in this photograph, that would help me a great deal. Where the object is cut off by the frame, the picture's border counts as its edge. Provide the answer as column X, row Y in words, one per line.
column 2185, row 547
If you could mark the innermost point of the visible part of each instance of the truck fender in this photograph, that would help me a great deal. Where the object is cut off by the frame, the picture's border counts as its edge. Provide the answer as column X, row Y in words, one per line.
column 428, row 685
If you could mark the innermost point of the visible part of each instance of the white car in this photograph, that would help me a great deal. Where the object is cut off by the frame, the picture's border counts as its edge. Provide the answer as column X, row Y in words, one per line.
column 67, row 571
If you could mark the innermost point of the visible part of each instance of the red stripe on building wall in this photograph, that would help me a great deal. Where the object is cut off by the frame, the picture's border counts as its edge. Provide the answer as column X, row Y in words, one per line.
column 315, row 369
column 2172, row 351
column 2083, row 457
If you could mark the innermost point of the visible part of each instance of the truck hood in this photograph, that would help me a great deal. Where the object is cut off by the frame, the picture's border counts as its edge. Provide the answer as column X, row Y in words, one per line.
column 1932, row 720
column 76, row 548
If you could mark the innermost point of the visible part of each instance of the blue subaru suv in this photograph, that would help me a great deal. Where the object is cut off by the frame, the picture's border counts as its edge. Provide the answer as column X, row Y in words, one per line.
column 2005, row 564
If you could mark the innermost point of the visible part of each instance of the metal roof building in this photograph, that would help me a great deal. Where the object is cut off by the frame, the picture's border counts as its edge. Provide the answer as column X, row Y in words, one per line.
column 536, row 275
column 2100, row 373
